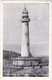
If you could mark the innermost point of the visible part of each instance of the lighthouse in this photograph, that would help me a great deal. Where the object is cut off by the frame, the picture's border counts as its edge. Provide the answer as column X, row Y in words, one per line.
column 25, row 47
column 26, row 59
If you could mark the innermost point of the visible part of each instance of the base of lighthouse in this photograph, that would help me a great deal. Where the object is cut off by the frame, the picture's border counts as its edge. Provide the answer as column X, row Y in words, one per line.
column 25, row 62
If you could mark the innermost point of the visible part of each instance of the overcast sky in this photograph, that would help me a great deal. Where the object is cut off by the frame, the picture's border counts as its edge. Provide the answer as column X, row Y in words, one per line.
column 38, row 26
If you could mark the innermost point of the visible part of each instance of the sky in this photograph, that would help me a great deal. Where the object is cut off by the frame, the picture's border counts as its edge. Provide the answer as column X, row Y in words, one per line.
column 38, row 27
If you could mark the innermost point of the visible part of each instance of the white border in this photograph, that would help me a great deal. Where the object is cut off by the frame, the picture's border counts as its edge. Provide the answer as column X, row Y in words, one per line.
column 1, row 46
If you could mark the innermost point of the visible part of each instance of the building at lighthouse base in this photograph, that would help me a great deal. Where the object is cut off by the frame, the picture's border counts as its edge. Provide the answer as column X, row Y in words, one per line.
column 27, row 62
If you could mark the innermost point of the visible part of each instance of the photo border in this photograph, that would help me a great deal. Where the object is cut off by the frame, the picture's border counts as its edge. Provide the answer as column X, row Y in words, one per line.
column 1, row 42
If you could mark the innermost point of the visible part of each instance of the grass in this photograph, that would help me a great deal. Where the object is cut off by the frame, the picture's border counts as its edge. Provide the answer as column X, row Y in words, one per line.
column 28, row 72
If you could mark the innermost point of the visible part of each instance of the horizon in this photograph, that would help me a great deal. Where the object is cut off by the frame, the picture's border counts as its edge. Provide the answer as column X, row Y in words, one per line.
column 36, row 50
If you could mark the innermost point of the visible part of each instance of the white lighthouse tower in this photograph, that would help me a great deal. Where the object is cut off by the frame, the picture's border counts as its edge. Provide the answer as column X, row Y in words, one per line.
column 26, row 59
column 25, row 47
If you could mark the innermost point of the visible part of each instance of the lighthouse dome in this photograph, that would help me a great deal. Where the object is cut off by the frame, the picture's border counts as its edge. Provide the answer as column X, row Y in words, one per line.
column 25, row 17
column 25, row 11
